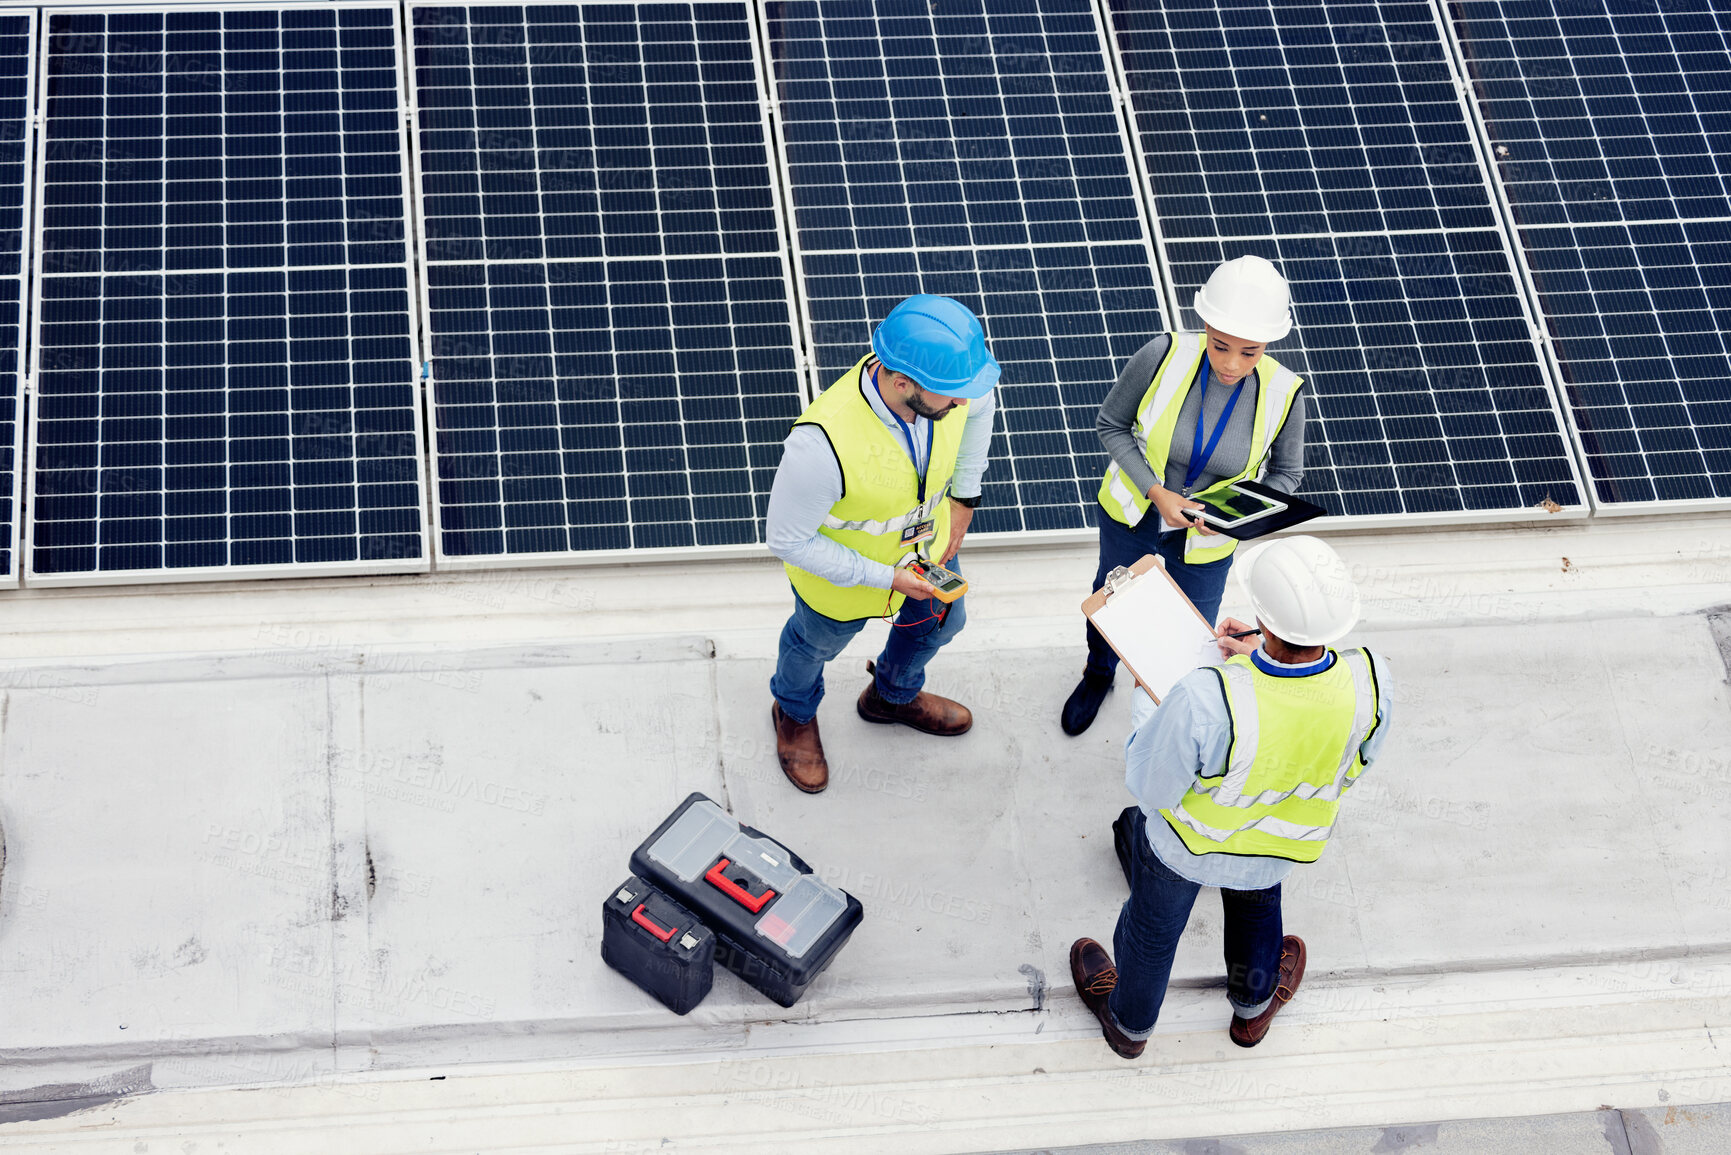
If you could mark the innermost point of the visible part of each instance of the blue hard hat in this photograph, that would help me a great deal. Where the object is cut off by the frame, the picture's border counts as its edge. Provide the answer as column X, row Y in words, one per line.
column 939, row 343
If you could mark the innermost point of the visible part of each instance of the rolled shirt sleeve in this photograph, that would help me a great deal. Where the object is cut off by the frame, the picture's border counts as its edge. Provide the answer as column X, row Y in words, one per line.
column 976, row 444
column 807, row 485
column 1186, row 737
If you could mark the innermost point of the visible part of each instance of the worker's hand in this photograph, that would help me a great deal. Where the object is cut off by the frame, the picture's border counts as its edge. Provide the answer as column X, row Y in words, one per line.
column 909, row 583
column 1171, row 506
column 960, row 518
column 1230, row 646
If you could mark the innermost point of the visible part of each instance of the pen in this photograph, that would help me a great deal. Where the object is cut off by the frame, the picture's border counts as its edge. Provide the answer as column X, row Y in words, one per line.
column 1241, row 634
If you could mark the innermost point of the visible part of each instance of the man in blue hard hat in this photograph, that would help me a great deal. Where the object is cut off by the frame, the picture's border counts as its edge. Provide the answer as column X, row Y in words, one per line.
column 879, row 471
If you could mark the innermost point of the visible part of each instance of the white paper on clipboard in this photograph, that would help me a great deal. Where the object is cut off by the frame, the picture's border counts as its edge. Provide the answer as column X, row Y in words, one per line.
column 1154, row 629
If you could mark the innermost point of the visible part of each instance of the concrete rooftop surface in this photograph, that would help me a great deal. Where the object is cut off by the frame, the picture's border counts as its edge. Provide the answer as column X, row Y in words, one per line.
column 317, row 866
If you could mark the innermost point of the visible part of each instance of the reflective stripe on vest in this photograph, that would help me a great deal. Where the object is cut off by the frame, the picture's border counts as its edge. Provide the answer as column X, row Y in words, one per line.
column 880, row 494
column 1300, row 801
column 1157, row 417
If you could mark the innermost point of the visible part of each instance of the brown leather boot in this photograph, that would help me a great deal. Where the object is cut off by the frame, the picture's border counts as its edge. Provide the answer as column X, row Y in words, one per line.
column 927, row 712
column 801, row 752
column 1095, row 977
column 1249, row 1032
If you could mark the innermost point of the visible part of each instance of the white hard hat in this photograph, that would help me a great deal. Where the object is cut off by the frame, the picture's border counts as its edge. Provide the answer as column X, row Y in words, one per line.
column 1247, row 298
column 1300, row 590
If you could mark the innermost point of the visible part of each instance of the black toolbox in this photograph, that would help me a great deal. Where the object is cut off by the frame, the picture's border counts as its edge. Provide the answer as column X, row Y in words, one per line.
column 779, row 925
column 657, row 944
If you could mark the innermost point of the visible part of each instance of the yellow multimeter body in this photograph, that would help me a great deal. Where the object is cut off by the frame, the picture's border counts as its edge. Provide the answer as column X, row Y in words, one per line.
column 947, row 585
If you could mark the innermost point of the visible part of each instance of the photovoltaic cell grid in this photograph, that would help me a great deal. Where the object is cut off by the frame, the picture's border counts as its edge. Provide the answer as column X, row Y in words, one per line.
column 973, row 150
column 15, row 65
column 1638, row 314
column 621, row 371
column 1426, row 394
column 1602, row 115
column 1612, row 133
column 226, row 373
column 1287, row 119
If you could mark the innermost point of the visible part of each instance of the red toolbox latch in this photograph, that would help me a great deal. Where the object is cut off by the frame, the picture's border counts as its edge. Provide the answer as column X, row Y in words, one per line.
column 735, row 891
column 664, row 933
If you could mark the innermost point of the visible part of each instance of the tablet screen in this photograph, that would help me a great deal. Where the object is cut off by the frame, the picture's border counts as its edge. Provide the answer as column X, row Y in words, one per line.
column 1236, row 505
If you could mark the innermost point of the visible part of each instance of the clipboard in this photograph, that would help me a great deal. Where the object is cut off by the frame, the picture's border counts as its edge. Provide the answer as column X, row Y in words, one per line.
column 1152, row 627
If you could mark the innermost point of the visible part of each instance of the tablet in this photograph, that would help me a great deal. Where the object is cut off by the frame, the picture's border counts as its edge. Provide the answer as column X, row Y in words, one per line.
column 1247, row 509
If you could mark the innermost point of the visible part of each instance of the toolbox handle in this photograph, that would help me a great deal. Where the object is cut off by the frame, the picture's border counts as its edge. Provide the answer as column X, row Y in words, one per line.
column 665, row 934
column 733, row 890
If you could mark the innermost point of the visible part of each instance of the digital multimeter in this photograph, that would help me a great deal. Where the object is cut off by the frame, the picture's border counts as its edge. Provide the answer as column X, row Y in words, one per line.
column 946, row 584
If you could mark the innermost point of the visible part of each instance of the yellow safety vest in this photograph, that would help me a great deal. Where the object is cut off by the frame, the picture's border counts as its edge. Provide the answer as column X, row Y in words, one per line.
column 1295, row 751
column 1157, row 419
column 880, row 494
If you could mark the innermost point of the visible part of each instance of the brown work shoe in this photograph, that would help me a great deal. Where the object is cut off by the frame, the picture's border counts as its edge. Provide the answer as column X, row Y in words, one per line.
column 927, row 712
column 1249, row 1032
column 801, row 752
column 1095, row 977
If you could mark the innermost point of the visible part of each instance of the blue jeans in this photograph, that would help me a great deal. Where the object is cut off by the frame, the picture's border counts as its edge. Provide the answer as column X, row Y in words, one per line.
column 809, row 640
column 1154, row 917
column 1121, row 545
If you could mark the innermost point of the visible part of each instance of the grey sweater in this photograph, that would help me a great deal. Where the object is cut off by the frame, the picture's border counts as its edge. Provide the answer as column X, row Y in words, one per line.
column 1118, row 417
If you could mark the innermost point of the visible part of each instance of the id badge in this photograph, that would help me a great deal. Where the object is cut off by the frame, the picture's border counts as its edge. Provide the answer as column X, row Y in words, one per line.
column 920, row 531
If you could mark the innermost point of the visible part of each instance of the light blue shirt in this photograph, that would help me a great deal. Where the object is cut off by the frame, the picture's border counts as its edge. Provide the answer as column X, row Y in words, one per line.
column 808, row 483
column 1188, row 736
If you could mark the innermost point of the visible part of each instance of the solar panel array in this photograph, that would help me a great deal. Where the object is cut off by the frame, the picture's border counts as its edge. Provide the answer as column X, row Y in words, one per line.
column 1328, row 137
column 226, row 368
column 614, row 361
column 974, row 150
column 17, row 36
column 226, row 371
column 1610, row 131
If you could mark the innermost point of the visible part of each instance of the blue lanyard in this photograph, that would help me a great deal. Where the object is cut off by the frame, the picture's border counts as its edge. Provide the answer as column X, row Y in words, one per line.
column 907, row 435
column 1198, row 455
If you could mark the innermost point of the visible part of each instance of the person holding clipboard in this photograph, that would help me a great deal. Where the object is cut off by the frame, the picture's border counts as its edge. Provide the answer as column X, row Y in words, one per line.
column 1192, row 414
column 876, row 488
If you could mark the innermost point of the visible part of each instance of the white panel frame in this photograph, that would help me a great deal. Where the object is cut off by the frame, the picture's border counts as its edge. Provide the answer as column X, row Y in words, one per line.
column 796, row 336
column 11, row 579
column 1397, row 520
column 1541, row 330
column 421, row 564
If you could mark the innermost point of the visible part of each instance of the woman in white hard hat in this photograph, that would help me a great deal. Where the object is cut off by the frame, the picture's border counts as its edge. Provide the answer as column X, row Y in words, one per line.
column 1192, row 413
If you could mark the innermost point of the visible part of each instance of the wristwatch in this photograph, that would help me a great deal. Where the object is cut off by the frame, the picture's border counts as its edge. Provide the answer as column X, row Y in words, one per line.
column 971, row 502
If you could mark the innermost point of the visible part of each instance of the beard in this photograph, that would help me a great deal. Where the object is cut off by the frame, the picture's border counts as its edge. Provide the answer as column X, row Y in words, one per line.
column 931, row 413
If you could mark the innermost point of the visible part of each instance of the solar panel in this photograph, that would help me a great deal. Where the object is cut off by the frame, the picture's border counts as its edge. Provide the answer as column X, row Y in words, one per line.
column 226, row 380
column 1329, row 138
column 17, row 98
column 1638, row 314
column 1604, row 115
column 614, row 364
column 973, row 150
column 1609, row 134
